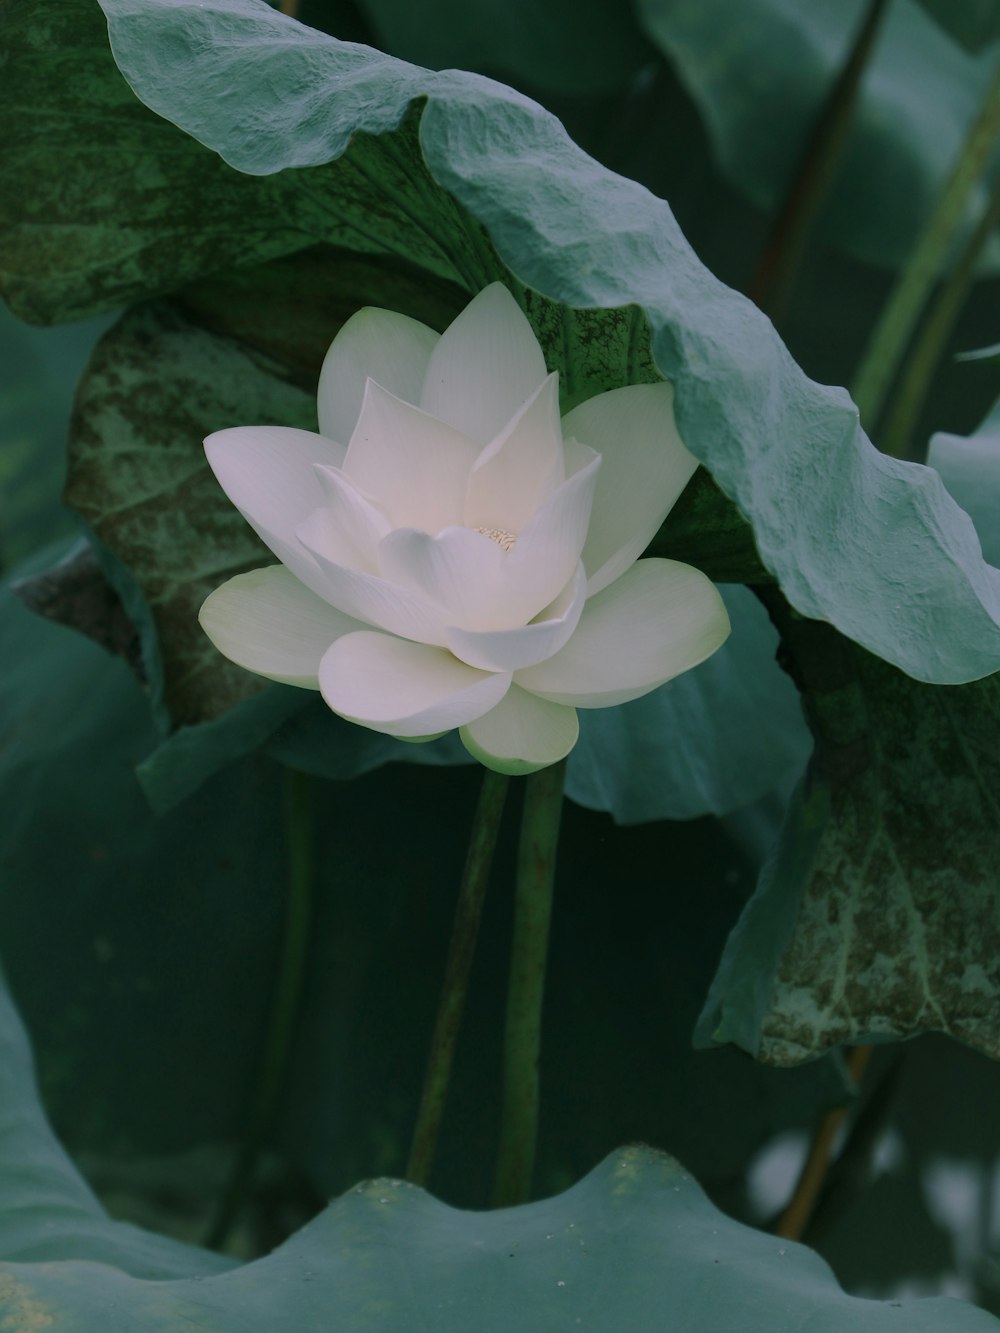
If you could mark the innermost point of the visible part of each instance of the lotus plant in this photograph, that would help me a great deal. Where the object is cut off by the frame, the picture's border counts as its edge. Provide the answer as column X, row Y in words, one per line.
column 455, row 555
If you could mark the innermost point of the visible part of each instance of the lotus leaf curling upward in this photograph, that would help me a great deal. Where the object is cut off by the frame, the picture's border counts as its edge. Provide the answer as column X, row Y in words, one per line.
column 454, row 555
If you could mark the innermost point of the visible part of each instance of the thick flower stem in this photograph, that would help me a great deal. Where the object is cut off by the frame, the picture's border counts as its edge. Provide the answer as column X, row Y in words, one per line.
column 285, row 1002
column 536, row 866
column 468, row 910
column 891, row 335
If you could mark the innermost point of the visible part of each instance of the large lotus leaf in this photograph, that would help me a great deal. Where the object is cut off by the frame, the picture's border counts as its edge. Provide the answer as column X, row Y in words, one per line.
column 710, row 742
column 633, row 1245
column 871, row 544
column 759, row 71
column 36, row 390
column 877, row 916
column 970, row 468
column 46, row 1210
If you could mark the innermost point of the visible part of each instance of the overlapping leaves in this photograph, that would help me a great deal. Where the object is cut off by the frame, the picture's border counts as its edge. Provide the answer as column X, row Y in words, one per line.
column 877, row 916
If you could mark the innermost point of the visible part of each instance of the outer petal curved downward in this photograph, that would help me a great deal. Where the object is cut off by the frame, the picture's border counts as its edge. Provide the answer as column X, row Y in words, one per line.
column 521, row 734
column 269, row 474
column 487, row 364
column 659, row 619
column 391, row 349
column 644, row 468
column 270, row 623
column 405, row 689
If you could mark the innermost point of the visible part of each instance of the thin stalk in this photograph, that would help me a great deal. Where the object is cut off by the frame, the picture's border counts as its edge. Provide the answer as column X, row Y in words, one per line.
column 781, row 258
column 536, row 868
column 285, row 1004
column 795, row 1218
column 908, row 399
column 468, row 911
column 894, row 329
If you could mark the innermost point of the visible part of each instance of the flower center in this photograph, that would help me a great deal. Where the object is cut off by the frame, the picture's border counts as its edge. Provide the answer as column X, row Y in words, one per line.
column 498, row 535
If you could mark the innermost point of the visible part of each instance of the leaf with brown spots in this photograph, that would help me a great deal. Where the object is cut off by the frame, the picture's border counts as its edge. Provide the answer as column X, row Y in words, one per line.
column 878, row 916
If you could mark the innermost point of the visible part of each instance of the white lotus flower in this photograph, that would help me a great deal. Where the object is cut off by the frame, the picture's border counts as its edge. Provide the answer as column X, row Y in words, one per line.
column 454, row 556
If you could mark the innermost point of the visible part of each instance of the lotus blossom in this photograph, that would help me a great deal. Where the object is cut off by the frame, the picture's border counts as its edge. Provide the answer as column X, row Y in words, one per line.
column 454, row 555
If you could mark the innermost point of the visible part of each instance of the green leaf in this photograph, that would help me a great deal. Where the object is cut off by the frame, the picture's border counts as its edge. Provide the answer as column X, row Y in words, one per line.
column 877, row 917
column 759, row 74
column 634, row 1240
column 710, row 742
column 40, row 369
column 970, row 468
column 974, row 23
column 156, row 386
column 827, row 532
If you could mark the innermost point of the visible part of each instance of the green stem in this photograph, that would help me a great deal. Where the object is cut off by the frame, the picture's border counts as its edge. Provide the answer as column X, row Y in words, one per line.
column 468, row 911
column 779, row 263
column 894, row 329
column 536, row 866
column 908, row 399
column 285, row 1003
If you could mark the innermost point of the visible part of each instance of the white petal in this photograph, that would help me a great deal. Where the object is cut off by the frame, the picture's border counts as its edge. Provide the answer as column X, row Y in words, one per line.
column 269, row 473
column 545, row 556
column 415, row 468
column 659, row 619
column 512, row 649
column 405, row 689
column 522, row 465
column 487, row 364
column 460, row 570
column 521, row 734
column 369, row 598
column 354, row 525
column 382, row 345
column 644, row 468
column 268, row 622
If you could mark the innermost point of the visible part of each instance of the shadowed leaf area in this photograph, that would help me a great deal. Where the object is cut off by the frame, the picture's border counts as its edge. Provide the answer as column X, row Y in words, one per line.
column 877, row 916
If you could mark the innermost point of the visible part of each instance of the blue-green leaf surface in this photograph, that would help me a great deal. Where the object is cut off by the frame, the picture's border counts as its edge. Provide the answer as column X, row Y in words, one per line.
column 877, row 916
column 871, row 544
column 970, row 468
column 634, row 1245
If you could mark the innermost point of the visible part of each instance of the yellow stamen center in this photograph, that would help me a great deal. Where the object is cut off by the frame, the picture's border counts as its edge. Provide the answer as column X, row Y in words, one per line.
column 498, row 535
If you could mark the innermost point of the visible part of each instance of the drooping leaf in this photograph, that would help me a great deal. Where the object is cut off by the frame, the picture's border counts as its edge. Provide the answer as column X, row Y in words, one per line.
column 633, row 1244
column 712, row 741
column 970, row 468
column 36, row 390
column 759, row 73
column 877, row 917
column 846, row 539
